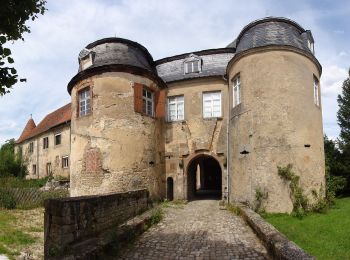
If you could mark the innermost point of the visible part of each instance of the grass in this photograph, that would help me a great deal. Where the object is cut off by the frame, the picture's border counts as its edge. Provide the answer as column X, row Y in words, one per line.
column 173, row 204
column 325, row 236
column 20, row 230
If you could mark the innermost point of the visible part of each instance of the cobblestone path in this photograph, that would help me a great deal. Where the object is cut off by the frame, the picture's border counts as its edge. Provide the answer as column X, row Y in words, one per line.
column 199, row 230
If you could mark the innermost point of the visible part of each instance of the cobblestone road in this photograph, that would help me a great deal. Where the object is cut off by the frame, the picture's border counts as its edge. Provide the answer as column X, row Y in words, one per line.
column 199, row 230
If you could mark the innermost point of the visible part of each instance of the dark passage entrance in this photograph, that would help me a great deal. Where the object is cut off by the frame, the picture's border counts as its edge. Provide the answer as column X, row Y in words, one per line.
column 204, row 178
column 170, row 188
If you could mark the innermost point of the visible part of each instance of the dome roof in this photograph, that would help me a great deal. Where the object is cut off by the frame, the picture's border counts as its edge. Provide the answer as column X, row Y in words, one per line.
column 273, row 31
column 115, row 54
column 118, row 51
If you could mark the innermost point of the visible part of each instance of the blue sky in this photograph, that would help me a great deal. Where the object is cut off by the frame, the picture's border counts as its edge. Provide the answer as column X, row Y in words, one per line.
column 48, row 57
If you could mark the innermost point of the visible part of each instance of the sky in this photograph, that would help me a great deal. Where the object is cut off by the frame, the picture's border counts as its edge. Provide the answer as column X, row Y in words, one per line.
column 48, row 57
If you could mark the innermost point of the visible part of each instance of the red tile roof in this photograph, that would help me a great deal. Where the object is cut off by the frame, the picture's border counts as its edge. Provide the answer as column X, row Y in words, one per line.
column 60, row 116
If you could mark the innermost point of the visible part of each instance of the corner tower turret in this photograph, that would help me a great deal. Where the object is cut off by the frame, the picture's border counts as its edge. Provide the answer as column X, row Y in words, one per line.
column 117, row 102
column 275, row 112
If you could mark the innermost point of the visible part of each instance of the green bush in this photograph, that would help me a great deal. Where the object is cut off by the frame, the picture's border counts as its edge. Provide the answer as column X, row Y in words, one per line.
column 11, row 164
column 7, row 201
column 15, row 182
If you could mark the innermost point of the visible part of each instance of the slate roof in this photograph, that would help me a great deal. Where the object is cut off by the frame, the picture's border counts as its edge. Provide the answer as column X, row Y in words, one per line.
column 214, row 63
column 273, row 31
column 119, row 51
column 56, row 118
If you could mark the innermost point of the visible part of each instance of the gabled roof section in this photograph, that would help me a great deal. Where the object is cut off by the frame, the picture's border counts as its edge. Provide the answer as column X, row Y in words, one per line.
column 56, row 118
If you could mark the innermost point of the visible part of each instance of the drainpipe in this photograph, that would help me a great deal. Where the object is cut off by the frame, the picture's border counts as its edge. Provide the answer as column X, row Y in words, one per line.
column 228, row 145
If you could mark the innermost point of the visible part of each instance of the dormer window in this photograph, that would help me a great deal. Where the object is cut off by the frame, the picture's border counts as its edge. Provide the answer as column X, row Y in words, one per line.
column 193, row 64
column 85, row 59
column 310, row 44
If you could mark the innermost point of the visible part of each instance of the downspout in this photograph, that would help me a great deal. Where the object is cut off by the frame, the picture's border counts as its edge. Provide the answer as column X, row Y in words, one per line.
column 227, row 141
column 37, row 157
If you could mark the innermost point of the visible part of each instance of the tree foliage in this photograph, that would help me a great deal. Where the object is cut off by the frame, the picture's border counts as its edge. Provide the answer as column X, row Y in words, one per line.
column 13, row 17
column 343, row 114
column 11, row 164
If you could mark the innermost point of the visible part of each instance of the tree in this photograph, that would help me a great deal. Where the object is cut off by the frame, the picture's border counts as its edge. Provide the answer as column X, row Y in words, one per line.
column 343, row 116
column 11, row 164
column 13, row 16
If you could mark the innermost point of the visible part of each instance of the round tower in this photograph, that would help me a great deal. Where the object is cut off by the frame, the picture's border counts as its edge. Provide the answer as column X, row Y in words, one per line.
column 117, row 103
column 275, row 114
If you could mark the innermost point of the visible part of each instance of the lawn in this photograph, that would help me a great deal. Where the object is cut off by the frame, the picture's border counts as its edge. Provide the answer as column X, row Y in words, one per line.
column 326, row 236
column 21, row 231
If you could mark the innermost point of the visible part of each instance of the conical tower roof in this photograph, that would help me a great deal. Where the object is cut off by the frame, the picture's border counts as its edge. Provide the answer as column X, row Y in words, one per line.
column 27, row 130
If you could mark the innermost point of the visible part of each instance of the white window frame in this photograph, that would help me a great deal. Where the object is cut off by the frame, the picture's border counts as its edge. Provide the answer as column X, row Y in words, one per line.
column 191, row 67
column 59, row 134
column 84, row 102
column 145, row 100
column 209, row 96
column 65, row 159
column 236, row 90
column 316, row 92
column 178, row 102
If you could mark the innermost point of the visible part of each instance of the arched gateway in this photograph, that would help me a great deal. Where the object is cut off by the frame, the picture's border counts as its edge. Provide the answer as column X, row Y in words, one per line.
column 204, row 178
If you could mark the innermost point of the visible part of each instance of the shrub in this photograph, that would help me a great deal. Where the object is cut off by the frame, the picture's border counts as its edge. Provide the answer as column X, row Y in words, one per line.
column 260, row 196
column 15, row 182
column 7, row 201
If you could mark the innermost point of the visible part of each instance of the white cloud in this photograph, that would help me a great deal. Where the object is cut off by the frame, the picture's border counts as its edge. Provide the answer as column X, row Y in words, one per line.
column 48, row 56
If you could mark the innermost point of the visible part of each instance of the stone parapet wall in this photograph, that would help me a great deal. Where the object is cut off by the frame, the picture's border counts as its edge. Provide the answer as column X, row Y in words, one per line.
column 77, row 227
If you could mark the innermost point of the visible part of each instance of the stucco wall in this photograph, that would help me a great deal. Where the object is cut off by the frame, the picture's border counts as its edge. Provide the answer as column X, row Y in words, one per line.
column 53, row 154
column 194, row 135
column 274, row 122
column 115, row 148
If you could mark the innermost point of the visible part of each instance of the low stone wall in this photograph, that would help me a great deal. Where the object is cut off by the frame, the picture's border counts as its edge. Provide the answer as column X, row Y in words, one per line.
column 80, row 227
column 278, row 245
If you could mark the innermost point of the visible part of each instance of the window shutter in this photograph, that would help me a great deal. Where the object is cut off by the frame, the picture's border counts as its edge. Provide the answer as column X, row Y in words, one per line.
column 160, row 100
column 138, row 97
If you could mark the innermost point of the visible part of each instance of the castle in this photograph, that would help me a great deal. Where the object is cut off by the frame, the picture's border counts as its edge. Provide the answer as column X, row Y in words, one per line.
column 213, row 122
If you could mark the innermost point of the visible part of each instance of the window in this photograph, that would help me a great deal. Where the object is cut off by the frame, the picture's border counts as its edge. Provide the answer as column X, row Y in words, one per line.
column 310, row 44
column 316, row 92
column 45, row 142
column 193, row 64
column 236, row 90
column 34, row 169
column 31, row 147
column 65, row 162
column 57, row 139
column 147, row 102
column 175, row 108
column 86, row 58
column 84, row 102
column 212, row 104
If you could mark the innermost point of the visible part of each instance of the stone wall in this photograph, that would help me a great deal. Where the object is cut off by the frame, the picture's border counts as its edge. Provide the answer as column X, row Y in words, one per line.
column 195, row 135
column 79, row 226
column 115, row 148
column 276, row 124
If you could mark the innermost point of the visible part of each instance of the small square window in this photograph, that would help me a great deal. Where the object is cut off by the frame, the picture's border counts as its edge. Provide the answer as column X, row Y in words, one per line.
column 192, row 66
column 65, row 162
column 147, row 102
column 57, row 139
column 45, row 142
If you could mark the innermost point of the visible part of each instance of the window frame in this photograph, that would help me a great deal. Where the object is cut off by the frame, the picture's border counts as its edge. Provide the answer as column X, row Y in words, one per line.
column 146, row 99
column 190, row 61
column 31, row 147
column 316, row 90
column 177, row 103
column 236, row 90
column 86, row 89
column 212, row 104
column 45, row 143
column 56, row 135
column 65, row 166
